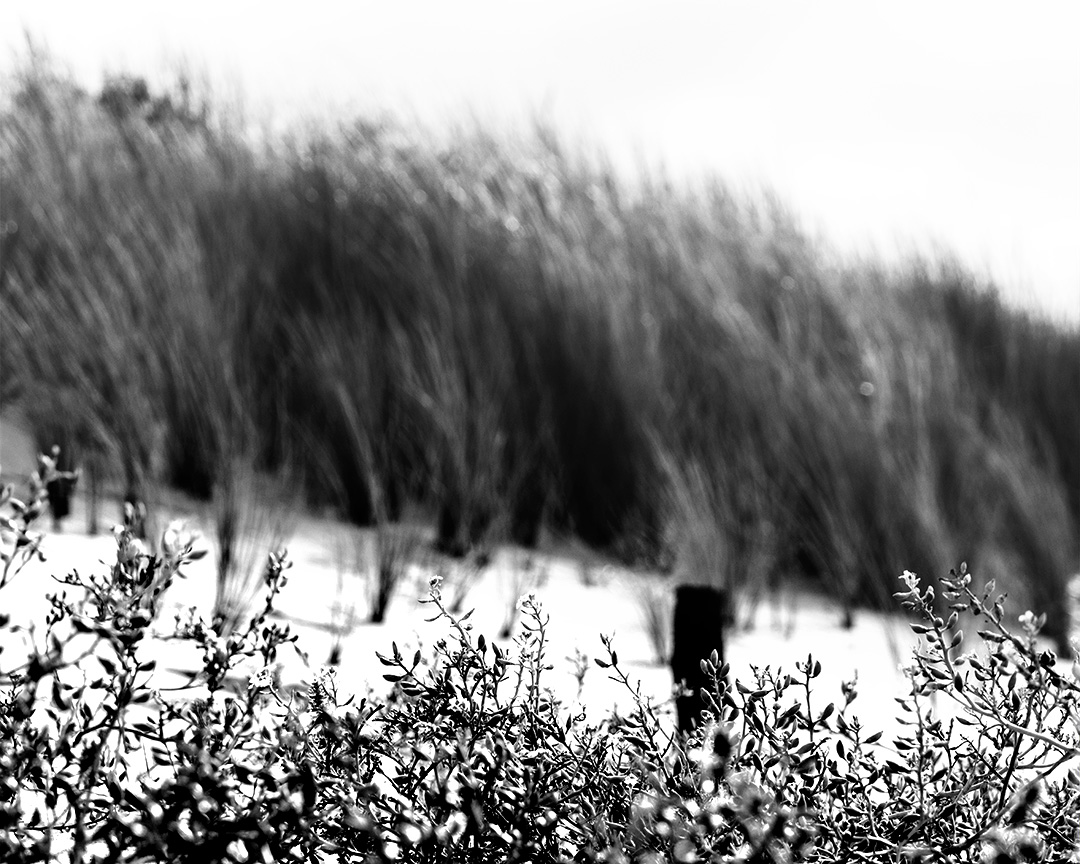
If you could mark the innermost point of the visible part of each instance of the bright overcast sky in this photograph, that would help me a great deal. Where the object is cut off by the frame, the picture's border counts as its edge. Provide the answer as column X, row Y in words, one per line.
column 898, row 125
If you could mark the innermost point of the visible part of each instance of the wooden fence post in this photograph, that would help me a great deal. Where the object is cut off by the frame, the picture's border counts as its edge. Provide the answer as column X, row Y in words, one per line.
column 698, row 630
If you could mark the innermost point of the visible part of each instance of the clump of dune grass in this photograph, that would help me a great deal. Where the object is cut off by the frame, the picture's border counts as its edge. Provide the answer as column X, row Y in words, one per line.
column 522, row 576
column 488, row 325
column 252, row 520
column 719, row 531
column 461, row 575
column 656, row 604
column 343, row 615
column 395, row 550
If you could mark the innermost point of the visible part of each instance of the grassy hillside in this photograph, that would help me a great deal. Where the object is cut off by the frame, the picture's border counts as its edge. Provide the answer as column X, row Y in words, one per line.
column 505, row 332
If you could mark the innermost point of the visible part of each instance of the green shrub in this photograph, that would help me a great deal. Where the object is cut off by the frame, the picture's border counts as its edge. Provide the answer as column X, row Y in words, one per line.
column 470, row 758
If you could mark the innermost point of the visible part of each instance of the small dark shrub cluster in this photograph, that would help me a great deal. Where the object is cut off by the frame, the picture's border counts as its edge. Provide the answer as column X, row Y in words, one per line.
column 470, row 758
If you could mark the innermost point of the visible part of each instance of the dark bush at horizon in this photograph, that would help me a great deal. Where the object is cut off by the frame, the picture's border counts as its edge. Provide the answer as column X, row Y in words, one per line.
column 506, row 333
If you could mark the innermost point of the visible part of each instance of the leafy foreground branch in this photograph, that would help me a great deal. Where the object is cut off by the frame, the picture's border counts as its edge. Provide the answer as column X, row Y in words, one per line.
column 470, row 758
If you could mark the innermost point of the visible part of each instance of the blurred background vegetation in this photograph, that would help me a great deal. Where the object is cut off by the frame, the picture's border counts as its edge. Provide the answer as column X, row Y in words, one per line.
column 508, row 334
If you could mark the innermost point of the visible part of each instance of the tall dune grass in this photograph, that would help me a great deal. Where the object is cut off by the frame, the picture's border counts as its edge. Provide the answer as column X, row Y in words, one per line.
column 508, row 333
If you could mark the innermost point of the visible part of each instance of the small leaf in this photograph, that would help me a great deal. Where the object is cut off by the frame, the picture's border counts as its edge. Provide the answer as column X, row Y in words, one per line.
column 809, row 765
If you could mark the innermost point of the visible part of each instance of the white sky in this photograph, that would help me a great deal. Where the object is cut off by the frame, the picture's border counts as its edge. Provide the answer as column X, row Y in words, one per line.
column 898, row 125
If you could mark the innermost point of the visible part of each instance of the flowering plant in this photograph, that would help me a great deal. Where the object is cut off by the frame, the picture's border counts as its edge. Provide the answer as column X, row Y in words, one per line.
column 470, row 758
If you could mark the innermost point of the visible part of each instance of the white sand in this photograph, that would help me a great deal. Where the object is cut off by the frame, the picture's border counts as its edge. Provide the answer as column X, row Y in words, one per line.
column 584, row 599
